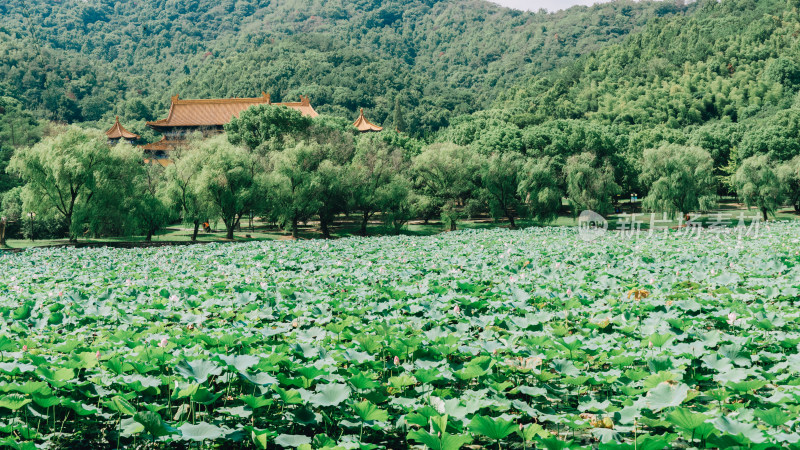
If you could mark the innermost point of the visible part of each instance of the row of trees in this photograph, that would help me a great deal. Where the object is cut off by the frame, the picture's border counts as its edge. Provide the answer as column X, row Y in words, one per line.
column 290, row 169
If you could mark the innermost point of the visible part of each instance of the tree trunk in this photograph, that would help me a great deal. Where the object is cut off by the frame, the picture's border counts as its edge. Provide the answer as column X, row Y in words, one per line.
column 294, row 227
column 364, row 219
column 229, row 234
column 764, row 212
column 196, row 230
column 452, row 225
column 511, row 220
column 797, row 207
column 2, row 233
column 73, row 238
column 323, row 224
column 149, row 236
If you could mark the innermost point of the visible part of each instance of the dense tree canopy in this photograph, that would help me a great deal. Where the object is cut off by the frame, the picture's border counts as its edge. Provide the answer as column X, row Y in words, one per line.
column 679, row 179
column 61, row 174
column 758, row 184
column 413, row 62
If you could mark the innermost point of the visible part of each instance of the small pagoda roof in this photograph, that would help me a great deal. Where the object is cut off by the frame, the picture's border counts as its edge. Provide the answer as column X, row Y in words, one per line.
column 218, row 112
column 118, row 131
column 365, row 125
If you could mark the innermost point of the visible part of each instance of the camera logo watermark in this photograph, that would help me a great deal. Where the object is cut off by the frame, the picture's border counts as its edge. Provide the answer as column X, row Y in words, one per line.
column 591, row 225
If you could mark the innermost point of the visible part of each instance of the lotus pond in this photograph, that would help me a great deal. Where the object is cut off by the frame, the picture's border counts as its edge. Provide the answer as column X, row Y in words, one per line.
column 496, row 339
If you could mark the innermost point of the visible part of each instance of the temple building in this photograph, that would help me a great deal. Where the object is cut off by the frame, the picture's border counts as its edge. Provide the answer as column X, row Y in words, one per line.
column 365, row 126
column 117, row 132
column 207, row 116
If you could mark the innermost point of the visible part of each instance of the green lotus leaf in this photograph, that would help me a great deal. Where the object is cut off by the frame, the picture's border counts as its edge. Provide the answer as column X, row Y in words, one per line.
column 292, row 440
column 14, row 401
column 493, row 428
column 686, row 419
column 154, row 424
column 446, row 441
column 739, row 429
column 774, row 417
column 330, row 395
column 197, row 370
column 256, row 402
column 666, row 395
column 120, row 405
column 369, row 412
column 200, row 432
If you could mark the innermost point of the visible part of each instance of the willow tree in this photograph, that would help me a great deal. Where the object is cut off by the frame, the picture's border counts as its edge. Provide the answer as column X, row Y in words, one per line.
column 538, row 187
column 499, row 182
column 60, row 173
column 261, row 124
column 231, row 182
column 179, row 190
column 375, row 164
column 679, row 179
column 789, row 176
column 447, row 174
column 758, row 185
column 292, row 184
column 590, row 183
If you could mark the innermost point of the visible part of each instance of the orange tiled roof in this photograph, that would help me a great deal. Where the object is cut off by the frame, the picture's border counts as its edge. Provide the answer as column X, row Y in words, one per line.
column 118, row 131
column 163, row 145
column 365, row 125
column 161, row 162
column 217, row 112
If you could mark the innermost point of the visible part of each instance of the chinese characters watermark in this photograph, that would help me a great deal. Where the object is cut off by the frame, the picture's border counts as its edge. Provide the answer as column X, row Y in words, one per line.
column 591, row 225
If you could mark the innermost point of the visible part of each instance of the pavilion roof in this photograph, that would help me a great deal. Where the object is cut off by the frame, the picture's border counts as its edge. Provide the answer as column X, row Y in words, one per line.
column 365, row 125
column 117, row 131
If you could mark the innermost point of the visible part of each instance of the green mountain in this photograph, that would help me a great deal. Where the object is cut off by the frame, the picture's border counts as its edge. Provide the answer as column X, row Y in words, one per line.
column 725, row 77
column 84, row 61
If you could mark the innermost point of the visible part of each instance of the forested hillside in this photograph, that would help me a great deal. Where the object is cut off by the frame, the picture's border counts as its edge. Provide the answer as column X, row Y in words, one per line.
column 724, row 78
column 78, row 61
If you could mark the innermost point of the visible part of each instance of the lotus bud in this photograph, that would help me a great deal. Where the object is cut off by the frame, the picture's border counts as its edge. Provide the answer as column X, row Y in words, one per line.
column 97, row 355
column 732, row 318
column 456, row 309
column 295, row 323
column 163, row 343
column 24, row 348
column 569, row 292
column 396, row 361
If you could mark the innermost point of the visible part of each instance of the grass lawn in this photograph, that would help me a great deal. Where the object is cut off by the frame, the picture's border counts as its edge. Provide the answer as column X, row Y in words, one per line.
column 349, row 226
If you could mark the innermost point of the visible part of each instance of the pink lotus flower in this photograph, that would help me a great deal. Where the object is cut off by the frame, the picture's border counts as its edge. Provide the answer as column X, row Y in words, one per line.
column 163, row 343
column 652, row 280
column 732, row 319
column 24, row 348
column 97, row 355
column 456, row 310
column 558, row 264
column 173, row 298
column 569, row 292
column 396, row 361
column 264, row 285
